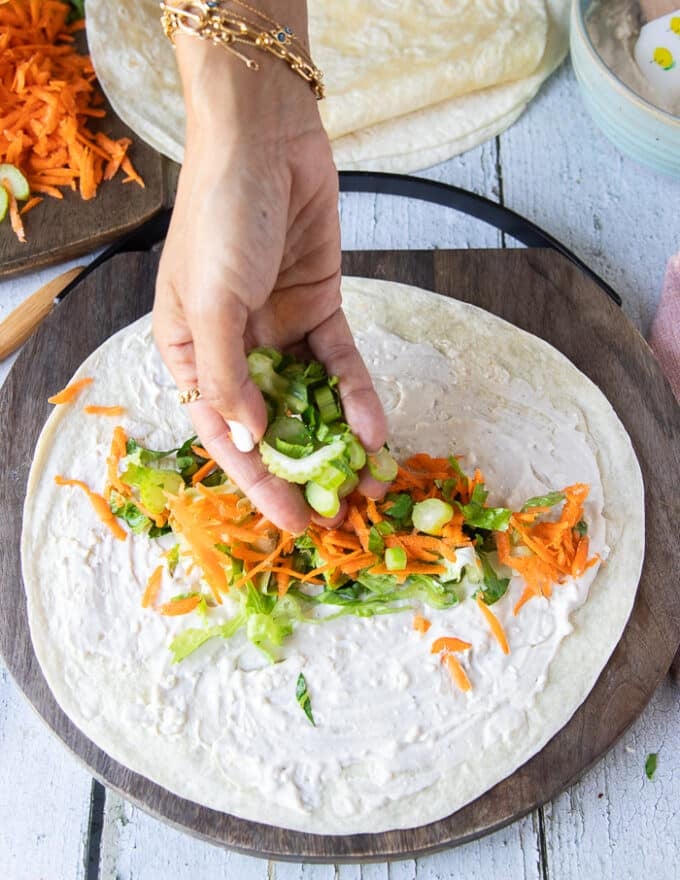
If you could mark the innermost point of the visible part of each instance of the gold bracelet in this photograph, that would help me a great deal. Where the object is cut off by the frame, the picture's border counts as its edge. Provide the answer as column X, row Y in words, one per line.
column 208, row 20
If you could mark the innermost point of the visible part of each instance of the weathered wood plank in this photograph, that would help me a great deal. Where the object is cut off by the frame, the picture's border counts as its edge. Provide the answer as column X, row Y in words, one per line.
column 558, row 170
column 45, row 797
column 615, row 822
column 136, row 846
column 386, row 222
column 619, row 217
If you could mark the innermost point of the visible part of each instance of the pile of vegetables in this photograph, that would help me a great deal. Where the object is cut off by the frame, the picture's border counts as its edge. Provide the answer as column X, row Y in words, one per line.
column 48, row 96
column 307, row 440
column 433, row 541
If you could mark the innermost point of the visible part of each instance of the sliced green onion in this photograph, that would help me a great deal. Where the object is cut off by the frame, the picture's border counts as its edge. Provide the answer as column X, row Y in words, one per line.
column 395, row 558
column 430, row 516
column 382, row 466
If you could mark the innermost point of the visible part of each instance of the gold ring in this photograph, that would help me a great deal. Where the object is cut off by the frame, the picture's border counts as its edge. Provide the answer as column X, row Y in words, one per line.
column 191, row 395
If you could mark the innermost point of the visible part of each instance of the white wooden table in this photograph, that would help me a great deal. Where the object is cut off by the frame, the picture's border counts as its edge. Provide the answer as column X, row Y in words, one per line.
column 555, row 168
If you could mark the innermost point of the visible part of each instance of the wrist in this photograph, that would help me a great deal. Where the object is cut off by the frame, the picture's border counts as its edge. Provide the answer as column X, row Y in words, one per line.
column 221, row 90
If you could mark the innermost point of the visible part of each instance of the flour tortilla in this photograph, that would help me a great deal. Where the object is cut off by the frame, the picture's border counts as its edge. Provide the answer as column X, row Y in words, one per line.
column 438, row 132
column 372, row 119
column 106, row 661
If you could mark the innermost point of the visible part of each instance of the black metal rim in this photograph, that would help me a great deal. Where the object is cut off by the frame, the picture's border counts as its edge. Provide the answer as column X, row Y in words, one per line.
column 403, row 185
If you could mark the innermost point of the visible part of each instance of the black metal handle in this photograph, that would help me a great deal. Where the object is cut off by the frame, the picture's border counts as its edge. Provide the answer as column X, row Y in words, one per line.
column 420, row 188
column 468, row 203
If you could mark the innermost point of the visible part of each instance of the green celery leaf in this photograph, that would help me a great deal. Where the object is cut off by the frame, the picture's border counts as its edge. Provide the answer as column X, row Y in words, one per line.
column 455, row 464
column 549, row 500
column 303, row 698
column 140, row 455
column 173, row 559
column 375, row 542
column 476, row 515
column 77, row 12
column 494, row 587
column 401, row 507
column 650, row 765
column 581, row 527
column 133, row 516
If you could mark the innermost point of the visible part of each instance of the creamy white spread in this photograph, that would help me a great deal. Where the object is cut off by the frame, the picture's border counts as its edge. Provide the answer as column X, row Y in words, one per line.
column 223, row 726
column 614, row 27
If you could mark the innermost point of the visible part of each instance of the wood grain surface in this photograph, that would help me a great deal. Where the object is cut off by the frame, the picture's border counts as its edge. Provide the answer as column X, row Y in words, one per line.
column 61, row 229
column 537, row 290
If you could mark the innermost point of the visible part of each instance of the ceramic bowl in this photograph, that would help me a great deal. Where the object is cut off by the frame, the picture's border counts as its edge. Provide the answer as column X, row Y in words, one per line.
column 635, row 126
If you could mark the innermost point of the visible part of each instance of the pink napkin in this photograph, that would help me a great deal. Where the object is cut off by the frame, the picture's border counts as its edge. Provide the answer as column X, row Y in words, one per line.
column 665, row 342
column 665, row 336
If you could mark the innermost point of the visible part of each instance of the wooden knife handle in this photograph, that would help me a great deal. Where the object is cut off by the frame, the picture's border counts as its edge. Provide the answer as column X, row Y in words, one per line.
column 652, row 9
column 19, row 324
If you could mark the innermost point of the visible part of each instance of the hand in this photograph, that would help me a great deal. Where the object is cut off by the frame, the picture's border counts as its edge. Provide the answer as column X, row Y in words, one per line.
column 253, row 258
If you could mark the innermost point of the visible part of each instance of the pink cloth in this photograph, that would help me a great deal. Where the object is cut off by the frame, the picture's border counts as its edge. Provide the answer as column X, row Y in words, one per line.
column 665, row 343
column 665, row 335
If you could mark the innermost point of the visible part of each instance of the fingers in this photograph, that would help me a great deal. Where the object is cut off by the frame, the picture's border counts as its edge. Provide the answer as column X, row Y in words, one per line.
column 332, row 343
column 222, row 369
column 331, row 522
column 279, row 501
column 204, row 347
column 372, row 488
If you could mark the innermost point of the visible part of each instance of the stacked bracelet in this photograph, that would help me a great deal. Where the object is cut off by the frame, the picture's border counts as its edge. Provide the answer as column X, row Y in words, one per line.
column 214, row 21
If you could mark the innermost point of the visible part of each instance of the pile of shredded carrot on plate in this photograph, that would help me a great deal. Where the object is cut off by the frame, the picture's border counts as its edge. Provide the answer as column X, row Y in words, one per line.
column 48, row 94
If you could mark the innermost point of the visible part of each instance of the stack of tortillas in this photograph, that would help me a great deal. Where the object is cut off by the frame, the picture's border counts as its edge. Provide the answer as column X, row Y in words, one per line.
column 409, row 83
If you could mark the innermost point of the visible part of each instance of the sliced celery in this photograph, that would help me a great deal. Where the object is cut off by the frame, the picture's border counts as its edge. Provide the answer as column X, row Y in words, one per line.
column 325, row 501
column 430, row 516
column 382, row 465
column 16, row 181
column 395, row 558
column 300, row 470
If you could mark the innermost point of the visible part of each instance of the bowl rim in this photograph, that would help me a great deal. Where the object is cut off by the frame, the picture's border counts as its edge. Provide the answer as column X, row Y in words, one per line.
column 646, row 106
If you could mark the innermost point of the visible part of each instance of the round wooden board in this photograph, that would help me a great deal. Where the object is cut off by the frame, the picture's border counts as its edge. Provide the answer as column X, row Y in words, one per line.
column 537, row 290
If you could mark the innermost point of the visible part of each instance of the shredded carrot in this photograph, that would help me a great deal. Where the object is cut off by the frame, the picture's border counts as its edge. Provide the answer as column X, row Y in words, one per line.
column 30, row 204
column 203, row 472
column 69, row 394
column 153, row 587
column 421, row 624
column 47, row 94
column 105, row 410
column 449, row 643
column 14, row 215
column 457, row 672
column 200, row 452
column 101, row 508
column 494, row 624
column 179, row 606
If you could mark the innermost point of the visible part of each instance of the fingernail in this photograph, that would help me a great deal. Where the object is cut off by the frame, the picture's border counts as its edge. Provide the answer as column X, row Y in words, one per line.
column 241, row 437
